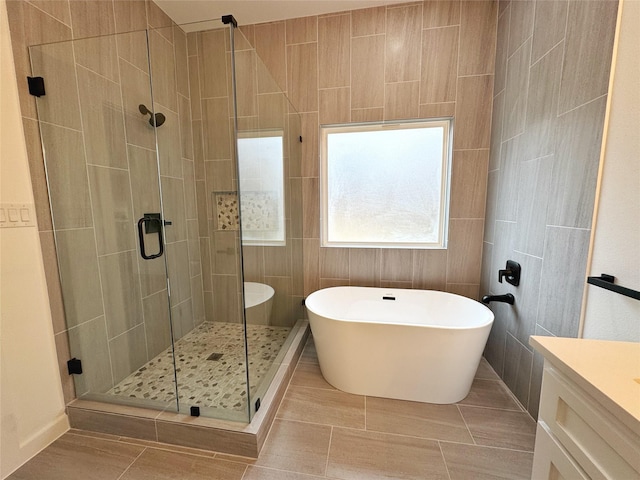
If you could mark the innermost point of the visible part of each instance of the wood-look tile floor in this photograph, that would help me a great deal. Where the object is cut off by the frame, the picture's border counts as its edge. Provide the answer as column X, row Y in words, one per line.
column 321, row 432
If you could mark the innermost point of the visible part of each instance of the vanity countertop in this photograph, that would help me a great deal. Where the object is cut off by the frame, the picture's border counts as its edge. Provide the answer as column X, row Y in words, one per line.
column 609, row 371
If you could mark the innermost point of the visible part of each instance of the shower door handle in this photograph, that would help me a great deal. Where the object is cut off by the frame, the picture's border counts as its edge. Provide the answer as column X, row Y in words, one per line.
column 147, row 221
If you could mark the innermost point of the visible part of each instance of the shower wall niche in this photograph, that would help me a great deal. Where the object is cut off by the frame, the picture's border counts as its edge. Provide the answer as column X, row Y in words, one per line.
column 168, row 331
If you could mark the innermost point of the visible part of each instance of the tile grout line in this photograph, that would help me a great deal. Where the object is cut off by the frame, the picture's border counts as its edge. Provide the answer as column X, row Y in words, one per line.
column 444, row 460
column 466, row 425
column 326, row 465
column 131, row 464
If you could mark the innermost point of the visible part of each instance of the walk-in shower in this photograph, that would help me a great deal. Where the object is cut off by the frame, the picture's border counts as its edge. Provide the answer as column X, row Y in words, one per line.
column 172, row 163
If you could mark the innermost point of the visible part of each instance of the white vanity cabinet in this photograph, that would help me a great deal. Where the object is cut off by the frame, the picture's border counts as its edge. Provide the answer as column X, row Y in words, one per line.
column 589, row 417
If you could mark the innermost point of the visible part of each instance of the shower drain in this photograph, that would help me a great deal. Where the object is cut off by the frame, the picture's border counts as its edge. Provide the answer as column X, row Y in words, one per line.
column 214, row 356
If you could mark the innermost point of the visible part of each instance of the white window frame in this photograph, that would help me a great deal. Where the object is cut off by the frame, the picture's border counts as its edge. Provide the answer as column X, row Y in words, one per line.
column 447, row 154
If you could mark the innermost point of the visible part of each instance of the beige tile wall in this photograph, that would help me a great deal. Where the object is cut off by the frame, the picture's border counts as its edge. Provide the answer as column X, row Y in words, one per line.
column 105, row 179
column 416, row 60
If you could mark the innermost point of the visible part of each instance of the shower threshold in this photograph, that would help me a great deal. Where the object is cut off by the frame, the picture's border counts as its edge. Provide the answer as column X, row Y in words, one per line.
column 166, row 426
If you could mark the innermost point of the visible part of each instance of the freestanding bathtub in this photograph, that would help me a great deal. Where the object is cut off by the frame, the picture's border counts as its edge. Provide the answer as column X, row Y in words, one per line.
column 258, row 301
column 420, row 345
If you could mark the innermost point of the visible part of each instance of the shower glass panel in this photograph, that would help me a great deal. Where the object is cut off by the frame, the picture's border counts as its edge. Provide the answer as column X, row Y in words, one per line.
column 173, row 163
column 102, row 173
column 269, row 152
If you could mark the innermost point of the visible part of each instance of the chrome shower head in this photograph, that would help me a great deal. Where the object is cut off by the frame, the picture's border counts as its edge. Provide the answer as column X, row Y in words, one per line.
column 154, row 120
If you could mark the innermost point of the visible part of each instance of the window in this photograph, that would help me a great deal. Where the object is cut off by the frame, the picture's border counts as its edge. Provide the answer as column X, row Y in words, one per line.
column 261, row 165
column 386, row 184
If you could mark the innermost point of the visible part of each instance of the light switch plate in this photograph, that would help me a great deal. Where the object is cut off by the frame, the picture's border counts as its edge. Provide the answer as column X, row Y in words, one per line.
column 13, row 215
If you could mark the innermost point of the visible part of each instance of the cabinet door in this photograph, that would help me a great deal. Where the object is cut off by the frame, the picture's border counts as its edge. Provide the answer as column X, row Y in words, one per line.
column 551, row 461
column 603, row 446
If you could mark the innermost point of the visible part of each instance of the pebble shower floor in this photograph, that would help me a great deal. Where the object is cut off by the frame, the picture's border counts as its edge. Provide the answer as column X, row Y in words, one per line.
column 204, row 378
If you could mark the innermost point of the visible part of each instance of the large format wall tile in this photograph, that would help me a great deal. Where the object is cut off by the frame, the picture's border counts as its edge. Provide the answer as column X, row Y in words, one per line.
column 37, row 174
column 145, row 188
column 213, row 65
column 430, row 269
column 270, row 47
column 55, row 64
column 182, row 66
column 439, row 65
column 367, row 71
column 130, row 15
column 225, row 298
column 67, row 177
column 216, row 128
column 521, row 24
column 302, row 76
column 121, row 291
column 510, row 165
column 92, row 19
column 163, row 67
column 178, row 266
column 79, row 275
column 502, row 50
column 99, row 55
column 135, row 92
column 181, row 321
column 403, row 40
column 156, row 322
column 575, row 168
column 473, row 112
column 527, row 298
column 128, row 353
column 334, row 105
column 549, row 27
column 464, row 257
column 477, row 38
column 368, row 21
column 169, row 144
column 587, row 58
column 246, row 84
column 31, row 26
column 517, row 371
column 173, row 206
column 132, row 47
column 333, row 51
column 515, row 100
column 440, row 13
column 542, row 104
column 102, row 120
column 534, row 192
column 111, row 202
column 468, row 183
column 88, row 342
column 301, row 30
column 52, row 275
column 564, row 270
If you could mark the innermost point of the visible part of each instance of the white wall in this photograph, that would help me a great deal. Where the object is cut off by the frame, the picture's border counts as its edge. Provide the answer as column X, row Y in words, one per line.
column 31, row 403
column 616, row 244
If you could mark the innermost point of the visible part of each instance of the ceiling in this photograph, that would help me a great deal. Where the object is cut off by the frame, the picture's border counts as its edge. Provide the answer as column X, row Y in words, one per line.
column 247, row 12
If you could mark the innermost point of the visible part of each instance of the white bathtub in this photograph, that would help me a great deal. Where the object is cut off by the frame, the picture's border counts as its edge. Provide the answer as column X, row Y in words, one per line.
column 258, row 301
column 419, row 345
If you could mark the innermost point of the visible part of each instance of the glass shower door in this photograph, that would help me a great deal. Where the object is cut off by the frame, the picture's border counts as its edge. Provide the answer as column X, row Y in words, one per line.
column 98, row 131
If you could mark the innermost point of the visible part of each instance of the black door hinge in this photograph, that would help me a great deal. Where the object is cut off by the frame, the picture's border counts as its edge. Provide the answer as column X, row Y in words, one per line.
column 36, row 86
column 74, row 366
